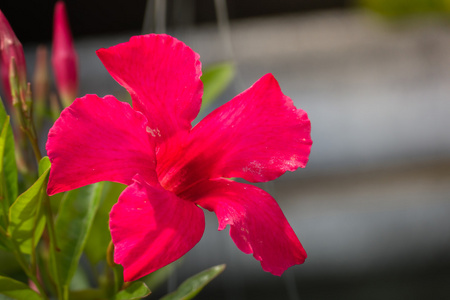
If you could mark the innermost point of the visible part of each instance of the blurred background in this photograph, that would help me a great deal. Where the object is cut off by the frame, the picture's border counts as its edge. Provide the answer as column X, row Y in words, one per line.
column 372, row 207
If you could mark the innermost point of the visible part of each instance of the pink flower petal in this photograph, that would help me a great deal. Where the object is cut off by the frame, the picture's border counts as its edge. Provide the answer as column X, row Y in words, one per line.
column 257, row 224
column 257, row 136
column 162, row 75
column 98, row 139
column 151, row 227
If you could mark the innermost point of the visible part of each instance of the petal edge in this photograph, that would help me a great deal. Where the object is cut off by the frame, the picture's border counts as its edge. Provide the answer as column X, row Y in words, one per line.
column 151, row 227
column 98, row 139
column 162, row 74
column 257, row 224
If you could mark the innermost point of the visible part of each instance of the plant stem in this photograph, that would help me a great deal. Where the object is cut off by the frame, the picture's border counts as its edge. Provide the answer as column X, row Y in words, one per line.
column 22, row 262
column 53, row 247
column 4, row 204
column 34, row 143
column 117, row 269
column 33, row 237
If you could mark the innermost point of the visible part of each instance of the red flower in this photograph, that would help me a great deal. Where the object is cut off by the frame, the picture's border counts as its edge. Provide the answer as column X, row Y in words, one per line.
column 11, row 47
column 171, row 168
column 64, row 56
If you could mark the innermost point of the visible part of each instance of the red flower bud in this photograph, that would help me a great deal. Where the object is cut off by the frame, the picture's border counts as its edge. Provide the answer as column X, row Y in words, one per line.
column 64, row 56
column 10, row 47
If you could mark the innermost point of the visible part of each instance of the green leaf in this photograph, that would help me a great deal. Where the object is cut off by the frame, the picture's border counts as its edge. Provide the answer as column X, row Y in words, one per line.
column 89, row 294
column 99, row 236
column 17, row 290
column 4, row 201
column 79, row 281
column 3, row 243
column 136, row 290
column 155, row 279
column 193, row 285
column 8, row 159
column 216, row 79
column 44, row 164
column 26, row 217
column 8, row 262
column 72, row 227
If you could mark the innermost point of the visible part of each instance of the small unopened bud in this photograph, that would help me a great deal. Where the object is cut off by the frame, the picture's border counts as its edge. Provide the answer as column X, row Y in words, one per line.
column 55, row 107
column 41, row 87
column 11, row 50
column 64, row 56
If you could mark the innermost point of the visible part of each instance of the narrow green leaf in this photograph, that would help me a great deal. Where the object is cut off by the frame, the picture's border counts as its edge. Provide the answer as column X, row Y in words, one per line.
column 3, row 134
column 216, row 79
column 4, row 201
column 44, row 164
column 99, row 236
column 193, row 285
column 72, row 227
column 136, row 290
column 26, row 217
column 17, row 290
column 55, row 200
column 155, row 279
column 8, row 160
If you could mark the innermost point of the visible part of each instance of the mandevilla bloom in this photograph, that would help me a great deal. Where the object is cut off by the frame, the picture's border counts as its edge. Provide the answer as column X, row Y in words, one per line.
column 171, row 169
column 64, row 56
column 10, row 47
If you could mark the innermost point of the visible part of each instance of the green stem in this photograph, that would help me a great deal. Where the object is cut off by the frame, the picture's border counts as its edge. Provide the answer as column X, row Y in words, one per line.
column 50, row 222
column 33, row 237
column 22, row 262
column 117, row 270
column 112, row 265
column 34, row 143
column 53, row 247
column 4, row 202
column 5, row 208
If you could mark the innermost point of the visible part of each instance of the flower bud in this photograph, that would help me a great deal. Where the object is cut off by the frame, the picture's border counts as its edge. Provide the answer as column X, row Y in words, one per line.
column 11, row 50
column 41, row 87
column 64, row 56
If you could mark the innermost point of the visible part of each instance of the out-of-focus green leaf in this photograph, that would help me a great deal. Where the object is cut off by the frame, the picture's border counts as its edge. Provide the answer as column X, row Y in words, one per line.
column 4, row 201
column 44, row 164
column 3, row 243
column 216, row 79
column 90, row 294
column 193, row 285
column 79, row 281
column 8, row 159
column 17, row 290
column 155, row 279
column 72, row 227
column 8, row 263
column 26, row 218
column 405, row 8
column 136, row 290
column 55, row 200
column 99, row 236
